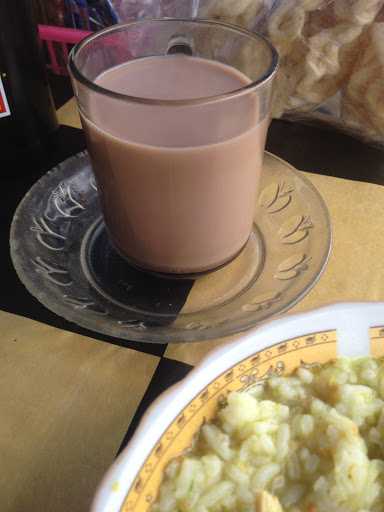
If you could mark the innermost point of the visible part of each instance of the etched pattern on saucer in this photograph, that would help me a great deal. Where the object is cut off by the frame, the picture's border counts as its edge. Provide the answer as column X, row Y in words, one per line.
column 62, row 254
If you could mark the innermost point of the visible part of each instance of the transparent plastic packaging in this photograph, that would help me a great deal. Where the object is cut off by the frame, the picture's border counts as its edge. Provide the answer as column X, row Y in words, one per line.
column 331, row 57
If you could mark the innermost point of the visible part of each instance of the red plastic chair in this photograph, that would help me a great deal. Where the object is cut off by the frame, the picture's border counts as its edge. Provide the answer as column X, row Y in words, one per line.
column 58, row 41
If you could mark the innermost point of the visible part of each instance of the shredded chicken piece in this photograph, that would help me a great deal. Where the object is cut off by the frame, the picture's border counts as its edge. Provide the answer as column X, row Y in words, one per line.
column 265, row 502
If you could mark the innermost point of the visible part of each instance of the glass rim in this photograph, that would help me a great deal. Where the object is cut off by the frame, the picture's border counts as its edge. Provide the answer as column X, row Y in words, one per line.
column 253, row 85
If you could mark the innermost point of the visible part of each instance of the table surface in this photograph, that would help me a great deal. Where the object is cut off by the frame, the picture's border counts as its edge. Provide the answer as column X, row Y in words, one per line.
column 71, row 398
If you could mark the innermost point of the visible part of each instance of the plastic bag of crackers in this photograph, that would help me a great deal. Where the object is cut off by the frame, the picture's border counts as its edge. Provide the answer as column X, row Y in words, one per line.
column 331, row 56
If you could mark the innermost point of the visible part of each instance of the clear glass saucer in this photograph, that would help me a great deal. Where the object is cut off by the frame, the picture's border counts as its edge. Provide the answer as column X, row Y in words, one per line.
column 62, row 254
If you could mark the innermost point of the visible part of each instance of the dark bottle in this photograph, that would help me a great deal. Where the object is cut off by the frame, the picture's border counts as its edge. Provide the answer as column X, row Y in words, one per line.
column 27, row 114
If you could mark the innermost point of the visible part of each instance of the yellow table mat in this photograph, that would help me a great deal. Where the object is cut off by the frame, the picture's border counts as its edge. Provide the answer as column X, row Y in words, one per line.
column 66, row 401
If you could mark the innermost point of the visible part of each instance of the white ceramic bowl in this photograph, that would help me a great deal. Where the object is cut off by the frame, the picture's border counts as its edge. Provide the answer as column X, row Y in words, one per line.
column 278, row 346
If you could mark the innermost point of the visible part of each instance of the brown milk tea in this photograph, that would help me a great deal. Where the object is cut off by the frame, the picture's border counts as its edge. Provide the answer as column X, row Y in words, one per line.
column 178, row 184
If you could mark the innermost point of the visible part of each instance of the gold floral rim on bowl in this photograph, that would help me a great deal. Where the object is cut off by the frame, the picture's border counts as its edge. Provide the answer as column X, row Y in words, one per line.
column 277, row 347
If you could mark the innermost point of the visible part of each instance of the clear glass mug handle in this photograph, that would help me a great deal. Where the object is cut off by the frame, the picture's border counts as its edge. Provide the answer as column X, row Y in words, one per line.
column 180, row 9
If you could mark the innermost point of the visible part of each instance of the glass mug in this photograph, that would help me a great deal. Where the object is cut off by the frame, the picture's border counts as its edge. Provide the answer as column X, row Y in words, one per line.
column 175, row 113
